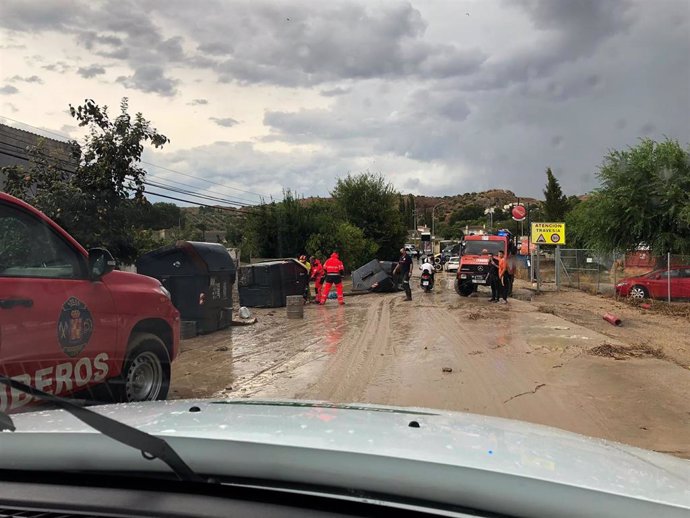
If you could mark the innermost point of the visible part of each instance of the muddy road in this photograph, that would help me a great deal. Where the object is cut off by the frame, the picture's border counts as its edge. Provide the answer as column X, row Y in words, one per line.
column 465, row 354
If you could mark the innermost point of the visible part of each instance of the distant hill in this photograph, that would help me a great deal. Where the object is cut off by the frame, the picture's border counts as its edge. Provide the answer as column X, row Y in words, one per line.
column 485, row 199
column 214, row 219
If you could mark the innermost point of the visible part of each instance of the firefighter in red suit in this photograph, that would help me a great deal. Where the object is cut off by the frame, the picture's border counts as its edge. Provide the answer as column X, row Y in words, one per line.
column 334, row 269
column 317, row 276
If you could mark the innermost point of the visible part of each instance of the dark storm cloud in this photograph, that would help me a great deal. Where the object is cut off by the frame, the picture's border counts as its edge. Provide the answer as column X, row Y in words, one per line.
column 333, row 92
column 27, row 79
column 18, row 15
column 91, row 39
column 226, row 122
column 59, row 66
column 263, row 42
column 572, row 30
column 121, row 30
column 8, row 90
column 91, row 71
column 197, row 102
column 574, row 79
column 150, row 78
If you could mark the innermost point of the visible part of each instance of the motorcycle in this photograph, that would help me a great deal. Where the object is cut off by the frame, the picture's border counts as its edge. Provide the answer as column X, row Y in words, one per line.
column 426, row 282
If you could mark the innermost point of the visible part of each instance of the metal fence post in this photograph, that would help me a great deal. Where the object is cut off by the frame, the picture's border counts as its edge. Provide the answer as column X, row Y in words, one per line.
column 558, row 267
column 538, row 271
column 668, row 276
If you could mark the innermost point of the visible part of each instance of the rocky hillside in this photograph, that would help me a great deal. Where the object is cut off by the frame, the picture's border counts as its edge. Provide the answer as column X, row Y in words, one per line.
column 486, row 199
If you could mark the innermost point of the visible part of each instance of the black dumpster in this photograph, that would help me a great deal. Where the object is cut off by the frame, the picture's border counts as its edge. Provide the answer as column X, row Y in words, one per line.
column 372, row 276
column 199, row 277
column 267, row 284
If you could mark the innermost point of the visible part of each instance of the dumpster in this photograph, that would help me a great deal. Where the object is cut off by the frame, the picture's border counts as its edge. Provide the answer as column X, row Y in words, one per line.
column 199, row 277
column 267, row 284
column 373, row 276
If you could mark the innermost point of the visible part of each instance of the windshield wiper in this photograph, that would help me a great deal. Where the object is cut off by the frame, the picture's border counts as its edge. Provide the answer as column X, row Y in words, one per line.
column 151, row 447
column 6, row 422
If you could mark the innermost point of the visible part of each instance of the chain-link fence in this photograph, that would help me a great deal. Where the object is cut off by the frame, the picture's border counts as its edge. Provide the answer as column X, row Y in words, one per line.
column 647, row 276
column 639, row 274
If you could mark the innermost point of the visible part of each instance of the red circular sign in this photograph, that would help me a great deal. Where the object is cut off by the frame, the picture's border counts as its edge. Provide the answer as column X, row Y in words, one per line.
column 519, row 212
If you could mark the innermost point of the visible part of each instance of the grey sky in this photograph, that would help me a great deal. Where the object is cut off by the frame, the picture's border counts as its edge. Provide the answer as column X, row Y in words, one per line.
column 442, row 97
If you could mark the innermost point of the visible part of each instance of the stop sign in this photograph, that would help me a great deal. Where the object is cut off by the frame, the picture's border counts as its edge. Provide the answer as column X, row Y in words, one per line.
column 519, row 212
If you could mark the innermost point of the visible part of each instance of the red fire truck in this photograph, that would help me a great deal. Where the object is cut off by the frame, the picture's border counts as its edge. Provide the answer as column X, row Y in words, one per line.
column 70, row 324
column 474, row 261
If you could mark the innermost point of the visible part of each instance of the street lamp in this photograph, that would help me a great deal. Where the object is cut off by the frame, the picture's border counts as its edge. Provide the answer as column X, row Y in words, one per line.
column 432, row 217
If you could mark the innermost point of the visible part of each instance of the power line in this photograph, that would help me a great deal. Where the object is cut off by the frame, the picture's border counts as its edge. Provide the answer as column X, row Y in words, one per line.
column 226, row 209
column 241, row 207
column 192, row 193
column 205, row 180
column 149, row 163
column 150, row 176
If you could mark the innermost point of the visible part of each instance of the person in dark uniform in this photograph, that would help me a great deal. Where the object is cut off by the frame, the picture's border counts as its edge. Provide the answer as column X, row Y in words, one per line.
column 492, row 278
column 404, row 268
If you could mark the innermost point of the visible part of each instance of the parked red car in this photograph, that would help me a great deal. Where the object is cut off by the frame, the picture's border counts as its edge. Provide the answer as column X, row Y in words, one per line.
column 655, row 284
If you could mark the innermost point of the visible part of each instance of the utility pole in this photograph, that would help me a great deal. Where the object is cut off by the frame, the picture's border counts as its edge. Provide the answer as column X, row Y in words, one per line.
column 433, row 210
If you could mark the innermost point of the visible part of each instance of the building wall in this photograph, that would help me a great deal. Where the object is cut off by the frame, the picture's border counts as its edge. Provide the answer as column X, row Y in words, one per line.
column 15, row 144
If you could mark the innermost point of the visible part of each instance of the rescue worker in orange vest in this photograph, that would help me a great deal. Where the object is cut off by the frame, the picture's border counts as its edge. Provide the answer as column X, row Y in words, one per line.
column 334, row 270
column 503, row 277
column 317, row 276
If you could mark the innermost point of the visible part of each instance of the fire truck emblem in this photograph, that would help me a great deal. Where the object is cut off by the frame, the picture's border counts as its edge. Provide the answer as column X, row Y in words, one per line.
column 75, row 327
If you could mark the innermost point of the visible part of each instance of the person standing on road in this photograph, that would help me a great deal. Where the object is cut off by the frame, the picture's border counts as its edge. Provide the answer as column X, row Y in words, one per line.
column 316, row 276
column 404, row 268
column 492, row 276
column 307, row 291
column 334, row 270
column 503, row 277
column 512, row 267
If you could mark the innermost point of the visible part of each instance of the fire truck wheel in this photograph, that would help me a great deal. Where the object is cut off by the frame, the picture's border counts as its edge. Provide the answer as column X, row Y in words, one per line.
column 146, row 372
column 464, row 289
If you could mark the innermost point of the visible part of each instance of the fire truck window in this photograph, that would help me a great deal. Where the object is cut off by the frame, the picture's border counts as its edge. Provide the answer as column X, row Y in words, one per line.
column 29, row 248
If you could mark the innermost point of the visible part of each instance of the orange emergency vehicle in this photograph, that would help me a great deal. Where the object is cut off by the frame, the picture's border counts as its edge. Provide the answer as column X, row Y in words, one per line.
column 474, row 261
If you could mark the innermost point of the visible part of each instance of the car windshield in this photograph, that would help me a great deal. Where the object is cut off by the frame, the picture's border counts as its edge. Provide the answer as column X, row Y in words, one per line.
column 233, row 200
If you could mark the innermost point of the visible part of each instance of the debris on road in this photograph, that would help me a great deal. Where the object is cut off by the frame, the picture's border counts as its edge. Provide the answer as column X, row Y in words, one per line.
column 222, row 348
column 244, row 312
column 612, row 319
column 646, row 306
column 621, row 352
column 533, row 391
column 447, row 369
column 244, row 322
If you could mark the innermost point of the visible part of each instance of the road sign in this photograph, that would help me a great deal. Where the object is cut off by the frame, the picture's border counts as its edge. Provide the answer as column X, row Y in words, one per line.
column 548, row 233
column 519, row 213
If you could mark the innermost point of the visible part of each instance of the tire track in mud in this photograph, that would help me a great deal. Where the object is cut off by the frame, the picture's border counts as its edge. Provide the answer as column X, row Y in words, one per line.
column 348, row 374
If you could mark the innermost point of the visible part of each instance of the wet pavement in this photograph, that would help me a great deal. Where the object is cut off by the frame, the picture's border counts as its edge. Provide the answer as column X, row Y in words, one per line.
column 444, row 351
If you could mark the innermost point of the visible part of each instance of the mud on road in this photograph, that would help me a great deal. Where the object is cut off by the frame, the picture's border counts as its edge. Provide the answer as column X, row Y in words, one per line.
column 447, row 352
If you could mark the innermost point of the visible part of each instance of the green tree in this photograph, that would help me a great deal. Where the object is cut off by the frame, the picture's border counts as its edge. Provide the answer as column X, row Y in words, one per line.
column 467, row 213
column 555, row 205
column 369, row 202
column 98, row 202
column 348, row 240
column 644, row 198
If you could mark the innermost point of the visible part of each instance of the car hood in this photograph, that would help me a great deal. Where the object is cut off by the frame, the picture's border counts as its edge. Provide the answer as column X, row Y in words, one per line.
column 449, row 458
